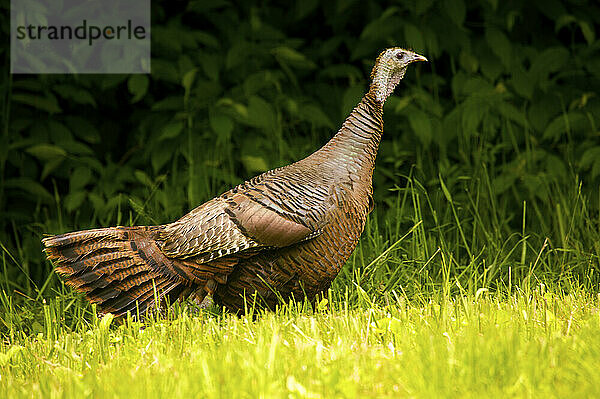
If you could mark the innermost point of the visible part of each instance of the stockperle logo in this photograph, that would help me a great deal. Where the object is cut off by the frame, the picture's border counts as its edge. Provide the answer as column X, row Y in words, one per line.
column 80, row 36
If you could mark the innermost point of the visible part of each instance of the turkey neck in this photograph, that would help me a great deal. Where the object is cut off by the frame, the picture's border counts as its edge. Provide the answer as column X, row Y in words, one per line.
column 354, row 147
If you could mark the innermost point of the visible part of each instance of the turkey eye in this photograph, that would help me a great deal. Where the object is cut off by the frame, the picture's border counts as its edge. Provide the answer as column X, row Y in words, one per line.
column 400, row 56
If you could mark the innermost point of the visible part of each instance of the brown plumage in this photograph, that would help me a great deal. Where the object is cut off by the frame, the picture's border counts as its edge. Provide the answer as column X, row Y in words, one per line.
column 284, row 234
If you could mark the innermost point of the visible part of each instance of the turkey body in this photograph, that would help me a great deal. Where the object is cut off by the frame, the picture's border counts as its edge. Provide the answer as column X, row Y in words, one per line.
column 282, row 235
column 344, row 185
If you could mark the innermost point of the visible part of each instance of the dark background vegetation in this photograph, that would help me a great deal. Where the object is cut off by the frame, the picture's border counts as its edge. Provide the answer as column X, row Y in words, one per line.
column 504, row 118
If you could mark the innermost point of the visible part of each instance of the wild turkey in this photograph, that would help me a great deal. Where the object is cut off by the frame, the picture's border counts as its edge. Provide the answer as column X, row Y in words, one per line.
column 281, row 235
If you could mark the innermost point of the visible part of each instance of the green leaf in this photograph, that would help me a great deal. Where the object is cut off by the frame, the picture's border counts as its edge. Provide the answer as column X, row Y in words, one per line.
column 75, row 147
column 31, row 187
column 564, row 20
column 304, row 7
column 237, row 54
column 566, row 122
column 221, row 124
column 313, row 114
column 500, row 45
column 171, row 130
column 503, row 182
column 169, row 39
column 591, row 159
column 112, row 204
column 588, row 32
column 75, row 94
column 159, row 157
column 138, row 86
column 490, row 65
column 473, row 112
column 292, row 57
column 509, row 111
column 188, row 79
column 445, row 190
column 50, row 166
column 164, row 70
column 97, row 201
column 105, row 322
column 210, row 66
column 596, row 170
column 74, row 200
column 399, row 103
column 79, row 178
column 83, row 129
column 556, row 167
column 112, row 80
column 254, row 164
column 421, row 125
column 46, row 152
column 456, row 11
column 468, row 62
column 59, row 133
column 143, row 178
column 381, row 27
column 552, row 9
column 172, row 103
column 422, row 6
column 206, row 39
column 203, row 6
column 351, row 97
column 522, row 82
column 48, row 103
column 413, row 36
column 206, row 92
column 260, row 113
column 548, row 61
column 342, row 71
column 255, row 82
column 476, row 85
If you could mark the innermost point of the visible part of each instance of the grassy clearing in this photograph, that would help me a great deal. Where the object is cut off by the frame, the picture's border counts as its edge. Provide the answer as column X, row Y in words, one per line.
column 476, row 276
column 523, row 344
column 446, row 296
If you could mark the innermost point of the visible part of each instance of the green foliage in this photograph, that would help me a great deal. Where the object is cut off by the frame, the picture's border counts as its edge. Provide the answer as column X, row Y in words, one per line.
column 497, row 135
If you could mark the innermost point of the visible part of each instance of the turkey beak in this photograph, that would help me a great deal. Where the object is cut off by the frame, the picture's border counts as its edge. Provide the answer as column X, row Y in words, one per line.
column 418, row 57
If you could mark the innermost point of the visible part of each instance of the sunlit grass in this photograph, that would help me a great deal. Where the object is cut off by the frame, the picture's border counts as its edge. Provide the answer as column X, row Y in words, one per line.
column 447, row 295
column 537, row 343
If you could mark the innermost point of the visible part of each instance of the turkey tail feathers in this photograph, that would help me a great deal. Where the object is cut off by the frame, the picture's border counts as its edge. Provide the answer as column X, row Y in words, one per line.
column 113, row 267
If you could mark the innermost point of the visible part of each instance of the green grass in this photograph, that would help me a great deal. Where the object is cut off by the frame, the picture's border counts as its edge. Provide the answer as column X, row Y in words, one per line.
column 528, row 343
column 453, row 303
column 451, row 292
